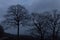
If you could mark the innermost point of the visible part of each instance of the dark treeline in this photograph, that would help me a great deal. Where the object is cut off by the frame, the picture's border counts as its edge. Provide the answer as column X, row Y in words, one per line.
column 45, row 25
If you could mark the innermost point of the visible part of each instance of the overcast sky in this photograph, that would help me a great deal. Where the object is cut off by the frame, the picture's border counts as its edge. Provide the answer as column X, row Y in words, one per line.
column 31, row 5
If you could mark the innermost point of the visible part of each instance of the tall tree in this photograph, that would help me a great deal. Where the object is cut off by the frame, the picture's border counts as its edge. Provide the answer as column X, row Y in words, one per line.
column 39, row 22
column 54, row 23
column 15, row 17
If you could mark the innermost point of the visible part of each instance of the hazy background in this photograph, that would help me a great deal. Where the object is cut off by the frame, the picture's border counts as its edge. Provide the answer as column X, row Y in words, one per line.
column 31, row 6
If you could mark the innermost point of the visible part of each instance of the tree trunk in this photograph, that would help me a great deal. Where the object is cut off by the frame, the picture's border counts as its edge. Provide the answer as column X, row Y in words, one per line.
column 42, row 36
column 53, row 36
column 18, row 31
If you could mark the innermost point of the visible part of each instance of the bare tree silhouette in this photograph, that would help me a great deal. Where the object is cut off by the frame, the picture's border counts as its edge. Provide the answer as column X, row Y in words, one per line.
column 54, row 23
column 44, row 22
column 39, row 22
column 15, row 17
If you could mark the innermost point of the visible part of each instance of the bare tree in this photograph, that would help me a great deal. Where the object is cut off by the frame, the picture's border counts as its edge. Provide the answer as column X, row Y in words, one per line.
column 15, row 17
column 54, row 23
column 44, row 22
column 39, row 22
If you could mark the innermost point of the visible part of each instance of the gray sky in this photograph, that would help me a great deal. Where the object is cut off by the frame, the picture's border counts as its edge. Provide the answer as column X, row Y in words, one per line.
column 31, row 5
